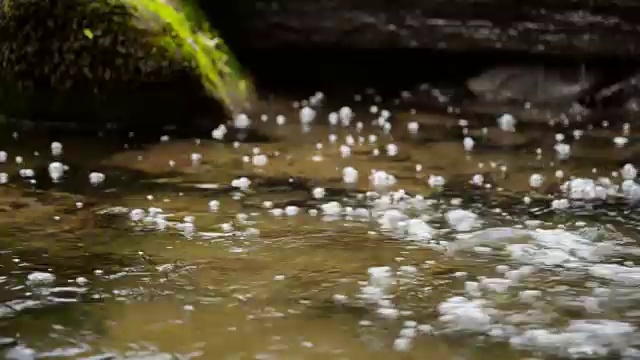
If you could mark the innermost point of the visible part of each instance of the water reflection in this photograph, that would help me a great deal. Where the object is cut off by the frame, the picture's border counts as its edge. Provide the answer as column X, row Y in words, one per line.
column 427, row 247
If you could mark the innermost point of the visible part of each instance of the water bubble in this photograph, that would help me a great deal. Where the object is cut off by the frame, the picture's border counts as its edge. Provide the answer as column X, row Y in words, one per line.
column 214, row 205
column 219, row 132
column 56, row 171
column 318, row 193
column 629, row 172
column 291, row 210
column 477, row 180
column 276, row 212
column 529, row 296
column 388, row 313
column 468, row 143
column 188, row 229
column 307, row 115
column 281, row 120
column 402, row 344
column 345, row 114
column 577, row 134
column 242, row 217
column 436, row 181
column 56, row 148
column 195, row 159
column 620, row 141
column 4, row 178
column 392, row 150
column 536, row 180
column 461, row 220
column 349, row 175
column 242, row 183
column 39, row 278
column 563, row 151
column 345, row 151
column 507, row 122
column 413, row 127
column 26, row 173
column 241, row 121
column 350, row 141
column 560, row 204
column 96, row 178
column 381, row 179
column 136, row 215
column 260, row 160
column 333, row 118
column 316, row 98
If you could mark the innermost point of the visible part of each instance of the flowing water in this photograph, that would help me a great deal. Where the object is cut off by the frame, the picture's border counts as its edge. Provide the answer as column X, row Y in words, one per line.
column 367, row 239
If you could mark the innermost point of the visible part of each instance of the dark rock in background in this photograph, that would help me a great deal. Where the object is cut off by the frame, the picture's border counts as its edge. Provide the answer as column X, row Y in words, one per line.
column 534, row 84
column 570, row 27
column 50, row 70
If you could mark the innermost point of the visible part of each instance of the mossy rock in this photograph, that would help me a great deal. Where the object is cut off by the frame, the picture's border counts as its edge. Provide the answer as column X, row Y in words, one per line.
column 90, row 62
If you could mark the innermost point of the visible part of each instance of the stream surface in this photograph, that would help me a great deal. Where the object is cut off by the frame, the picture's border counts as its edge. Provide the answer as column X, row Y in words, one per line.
column 308, row 240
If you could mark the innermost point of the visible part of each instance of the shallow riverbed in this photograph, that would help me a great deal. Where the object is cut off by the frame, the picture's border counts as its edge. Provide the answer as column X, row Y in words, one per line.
column 389, row 234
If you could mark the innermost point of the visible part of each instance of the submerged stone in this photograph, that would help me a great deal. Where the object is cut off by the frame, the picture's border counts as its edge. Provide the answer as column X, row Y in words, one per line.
column 533, row 84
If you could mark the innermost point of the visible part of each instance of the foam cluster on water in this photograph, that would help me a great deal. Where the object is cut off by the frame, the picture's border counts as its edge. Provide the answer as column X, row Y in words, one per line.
column 510, row 301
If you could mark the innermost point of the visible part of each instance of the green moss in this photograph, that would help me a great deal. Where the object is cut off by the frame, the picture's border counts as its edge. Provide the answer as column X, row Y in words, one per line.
column 59, row 59
column 184, row 30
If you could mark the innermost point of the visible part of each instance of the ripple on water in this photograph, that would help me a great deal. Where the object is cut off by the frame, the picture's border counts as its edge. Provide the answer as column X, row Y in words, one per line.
column 349, row 239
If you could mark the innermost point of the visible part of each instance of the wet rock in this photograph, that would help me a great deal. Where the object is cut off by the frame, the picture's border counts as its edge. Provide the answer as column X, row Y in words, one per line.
column 537, row 85
column 632, row 105
column 576, row 28
column 82, row 61
column 624, row 94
